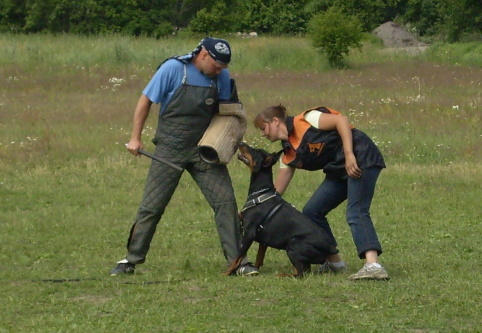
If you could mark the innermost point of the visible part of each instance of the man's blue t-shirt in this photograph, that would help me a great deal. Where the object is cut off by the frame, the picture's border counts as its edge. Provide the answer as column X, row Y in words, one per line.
column 169, row 77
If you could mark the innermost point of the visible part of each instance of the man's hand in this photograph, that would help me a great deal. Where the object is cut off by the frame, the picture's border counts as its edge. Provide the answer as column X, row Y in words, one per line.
column 133, row 147
column 140, row 115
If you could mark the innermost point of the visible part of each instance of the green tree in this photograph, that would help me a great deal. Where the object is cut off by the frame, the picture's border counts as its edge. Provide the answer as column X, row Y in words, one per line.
column 334, row 33
column 449, row 20
column 211, row 21
column 12, row 15
column 37, row 16
column 371, row 13
column 459, row 18
column 423, row 16
column 271, row 16
column 183, row 11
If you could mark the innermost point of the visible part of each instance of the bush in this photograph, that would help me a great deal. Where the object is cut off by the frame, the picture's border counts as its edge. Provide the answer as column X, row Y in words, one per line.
column 334, row 33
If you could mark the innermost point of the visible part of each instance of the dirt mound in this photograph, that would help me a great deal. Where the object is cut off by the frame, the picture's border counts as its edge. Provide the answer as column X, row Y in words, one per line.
column 394, row 35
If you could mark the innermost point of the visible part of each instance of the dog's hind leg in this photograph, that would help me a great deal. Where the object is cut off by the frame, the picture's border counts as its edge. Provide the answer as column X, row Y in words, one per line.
column 260, row 256
column 301, row 269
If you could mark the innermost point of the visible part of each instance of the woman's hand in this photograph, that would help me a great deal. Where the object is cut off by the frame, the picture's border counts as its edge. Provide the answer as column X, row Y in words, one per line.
column 351, row 166
column 329, row 122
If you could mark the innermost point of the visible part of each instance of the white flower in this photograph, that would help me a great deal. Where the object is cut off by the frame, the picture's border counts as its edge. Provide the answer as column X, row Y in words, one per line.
column 116, row 80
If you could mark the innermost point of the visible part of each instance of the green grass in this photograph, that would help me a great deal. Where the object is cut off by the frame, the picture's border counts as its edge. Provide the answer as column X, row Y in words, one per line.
column 458, row 53
column 69, row 192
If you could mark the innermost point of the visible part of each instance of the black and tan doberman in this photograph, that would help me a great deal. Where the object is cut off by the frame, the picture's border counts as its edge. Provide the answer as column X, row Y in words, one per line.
column 273, row 222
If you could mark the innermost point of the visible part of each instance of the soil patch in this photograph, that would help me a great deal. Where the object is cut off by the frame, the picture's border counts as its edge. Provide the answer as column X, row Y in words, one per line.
column 395, row 37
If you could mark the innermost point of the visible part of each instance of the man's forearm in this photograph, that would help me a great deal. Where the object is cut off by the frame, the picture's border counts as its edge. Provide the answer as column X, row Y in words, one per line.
column 140, row 116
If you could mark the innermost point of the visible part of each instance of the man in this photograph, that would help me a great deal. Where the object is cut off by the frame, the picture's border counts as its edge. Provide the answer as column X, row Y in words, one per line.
column 189, row 89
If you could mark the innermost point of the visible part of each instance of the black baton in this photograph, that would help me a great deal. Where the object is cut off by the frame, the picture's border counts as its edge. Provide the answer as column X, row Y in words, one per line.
column 158, row 159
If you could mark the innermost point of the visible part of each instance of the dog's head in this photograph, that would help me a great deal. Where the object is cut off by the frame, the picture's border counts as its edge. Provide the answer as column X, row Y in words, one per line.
column 256, row 159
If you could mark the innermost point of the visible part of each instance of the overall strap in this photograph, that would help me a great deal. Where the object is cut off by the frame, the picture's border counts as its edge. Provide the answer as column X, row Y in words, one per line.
column 184, row 78
column 214, row 83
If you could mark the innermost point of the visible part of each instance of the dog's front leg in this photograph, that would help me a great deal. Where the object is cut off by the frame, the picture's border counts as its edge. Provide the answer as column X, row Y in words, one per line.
column 260, row 256
column 245, row 245
column 234, row 265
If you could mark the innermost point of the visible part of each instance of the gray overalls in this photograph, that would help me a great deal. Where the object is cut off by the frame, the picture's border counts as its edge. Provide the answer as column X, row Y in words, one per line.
column 180, row 128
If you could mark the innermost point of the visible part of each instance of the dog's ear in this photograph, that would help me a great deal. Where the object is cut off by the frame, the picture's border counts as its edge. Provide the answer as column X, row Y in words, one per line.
column 272, row 159
column 258, row 162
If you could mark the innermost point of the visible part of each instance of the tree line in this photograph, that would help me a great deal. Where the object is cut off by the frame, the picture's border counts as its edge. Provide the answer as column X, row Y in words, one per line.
column 445, row 20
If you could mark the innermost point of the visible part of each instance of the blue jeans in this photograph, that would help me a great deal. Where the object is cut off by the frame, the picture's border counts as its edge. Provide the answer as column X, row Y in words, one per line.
column 359, row 192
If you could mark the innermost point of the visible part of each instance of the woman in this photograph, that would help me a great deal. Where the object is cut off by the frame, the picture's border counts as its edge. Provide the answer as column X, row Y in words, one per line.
column 323, row 139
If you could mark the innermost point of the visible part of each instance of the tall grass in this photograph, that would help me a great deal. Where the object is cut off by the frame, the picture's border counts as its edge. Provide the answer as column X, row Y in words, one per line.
column 458, row 54
column 69, row 191
column 249, row 54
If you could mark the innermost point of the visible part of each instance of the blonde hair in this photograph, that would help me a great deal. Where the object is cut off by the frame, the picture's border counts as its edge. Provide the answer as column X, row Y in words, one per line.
column 267, row 115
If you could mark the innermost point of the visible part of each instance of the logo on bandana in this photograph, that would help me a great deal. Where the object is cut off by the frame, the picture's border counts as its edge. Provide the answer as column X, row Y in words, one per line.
column 209, row 101
column 222, row 48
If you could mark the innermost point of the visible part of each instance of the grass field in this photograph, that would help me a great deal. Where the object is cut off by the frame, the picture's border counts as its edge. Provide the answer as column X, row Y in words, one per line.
column 69, row 192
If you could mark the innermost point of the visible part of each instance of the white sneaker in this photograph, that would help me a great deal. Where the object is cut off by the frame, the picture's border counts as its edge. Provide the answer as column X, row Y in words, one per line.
column 370, row 272
column 247, row 270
